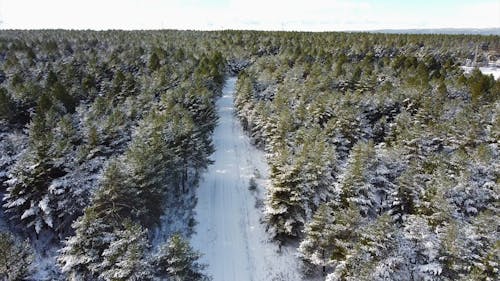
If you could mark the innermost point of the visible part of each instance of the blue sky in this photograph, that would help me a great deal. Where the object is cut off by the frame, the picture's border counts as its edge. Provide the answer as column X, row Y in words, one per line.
column 311, row 15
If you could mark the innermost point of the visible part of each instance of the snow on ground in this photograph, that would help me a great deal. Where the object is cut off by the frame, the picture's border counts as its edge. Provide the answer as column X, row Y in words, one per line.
column 176, row 219
column 229, row 233
column 495, row 71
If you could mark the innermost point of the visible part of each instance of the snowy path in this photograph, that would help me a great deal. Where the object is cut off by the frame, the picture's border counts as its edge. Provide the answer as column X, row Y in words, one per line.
column 229, row 235
column 495, row 71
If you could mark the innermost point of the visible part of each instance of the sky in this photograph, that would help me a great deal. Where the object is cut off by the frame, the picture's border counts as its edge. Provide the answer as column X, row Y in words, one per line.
column 305, row 15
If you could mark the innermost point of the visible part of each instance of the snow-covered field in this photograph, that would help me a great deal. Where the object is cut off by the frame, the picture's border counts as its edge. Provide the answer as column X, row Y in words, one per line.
column 495, row 71
column 229, row 233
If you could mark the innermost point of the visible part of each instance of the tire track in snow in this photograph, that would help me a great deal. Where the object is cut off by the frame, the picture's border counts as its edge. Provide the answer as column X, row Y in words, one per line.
column 229, row 233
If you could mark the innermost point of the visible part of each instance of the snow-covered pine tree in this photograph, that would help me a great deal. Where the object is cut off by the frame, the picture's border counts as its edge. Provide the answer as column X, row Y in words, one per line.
column 81, row 256
column 423, row 251
column 177, row 261
column 486, row 249
column 185, row 142
column 200, row 105
column 70, row 192
column 126, row 258
column 147, row 164
column 404, row 196
column 433, row 204
column 457, row 247
column 277, row 132
column 355, row 183
column 114, row 200
column 376, row 244
column 285, row 207
column 15, row 258
column 343, row 129
column 316, row 160
column 315, row 246
column 243, row 100
column 331, row 236
column 7, row 106
column 261, row 125
column 28, row 198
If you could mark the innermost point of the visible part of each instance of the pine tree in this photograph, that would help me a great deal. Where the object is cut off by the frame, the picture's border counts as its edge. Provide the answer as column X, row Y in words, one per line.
column 60, row 94
column 82, row 254
column 92, row 137
column 456, row 251
column 147, row 182
column 403, row 198
column 331, row 237
column 424, row 248
column 355, row 183
column 65, row 136
column 51, row 79
column 15, row 258
column 243, row 100
column 177, row 261
column 118, row 80
column 125, row 258
column 154, row 62
column 484, row 246
column 181, row 137
column 114, row 200
column 285, row 212
column 315, row 246
column 479, row 85
column 368, row 259
column 316, row 161
column 356, row 75
column 28, row 198
column 89, row 83
column 6, row 105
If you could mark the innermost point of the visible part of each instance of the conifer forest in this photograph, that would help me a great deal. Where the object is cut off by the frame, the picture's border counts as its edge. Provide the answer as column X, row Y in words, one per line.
column 380, row 156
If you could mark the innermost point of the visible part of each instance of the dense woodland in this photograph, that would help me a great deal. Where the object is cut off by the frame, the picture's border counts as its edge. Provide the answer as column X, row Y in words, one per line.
column 384, row 156
column 104, row 136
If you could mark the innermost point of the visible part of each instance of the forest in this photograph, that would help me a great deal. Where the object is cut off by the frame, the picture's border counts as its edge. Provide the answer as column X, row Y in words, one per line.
column 384, row 155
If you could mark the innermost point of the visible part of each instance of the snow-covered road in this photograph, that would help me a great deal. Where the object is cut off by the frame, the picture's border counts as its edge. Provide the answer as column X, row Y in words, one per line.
column 229, row 233
column 487, row 70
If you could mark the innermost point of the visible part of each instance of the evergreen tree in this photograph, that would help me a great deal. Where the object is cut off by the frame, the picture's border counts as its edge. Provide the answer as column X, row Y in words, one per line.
column 61, row 95
column 114, row 200
column 372, row 255
column 177, row 260
column 28, row 198
column 187, row 144
column 125, row 258
column 92, row 137
column 355, row 183
column 243, row 99
column 147, row 166
column 15, row 258
column 316, row 161
column 82, row 254
column 285, row 213
column 331, row 237
column 424, row 248
column 315, row 247
column 118, row 80
column 406, row 197
column 484, row 246
column 479, row 85
column 6, row 105
column 154, row 62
